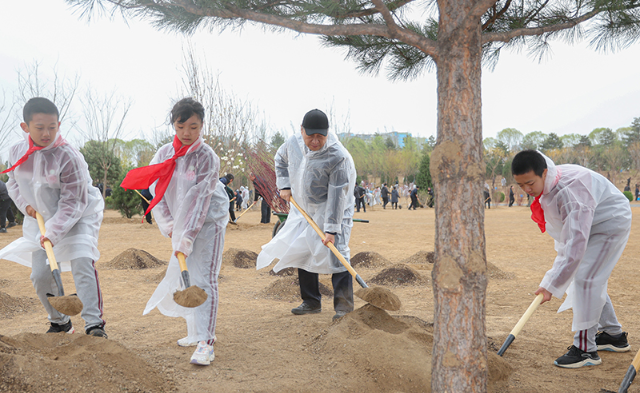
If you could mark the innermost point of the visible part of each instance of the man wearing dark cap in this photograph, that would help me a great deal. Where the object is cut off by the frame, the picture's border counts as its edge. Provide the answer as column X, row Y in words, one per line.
column 318, row 172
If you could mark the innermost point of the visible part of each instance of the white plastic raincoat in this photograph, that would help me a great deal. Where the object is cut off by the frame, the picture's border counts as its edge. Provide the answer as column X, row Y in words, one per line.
column 590, row 221
column 194, row 211
column 55, row 181
column 322, row 183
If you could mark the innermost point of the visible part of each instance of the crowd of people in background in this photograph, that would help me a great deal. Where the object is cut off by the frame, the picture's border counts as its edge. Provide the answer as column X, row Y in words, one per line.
column 369, row 194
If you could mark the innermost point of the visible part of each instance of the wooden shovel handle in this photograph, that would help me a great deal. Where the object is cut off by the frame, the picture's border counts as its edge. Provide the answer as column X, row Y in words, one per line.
column 47, row 244
column 183, row 262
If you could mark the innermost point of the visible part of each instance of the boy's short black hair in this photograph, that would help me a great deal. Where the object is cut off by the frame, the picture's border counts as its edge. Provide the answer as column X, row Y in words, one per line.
column 527, row 161
column 39, row 105
column 185, row 108
column 229, row 176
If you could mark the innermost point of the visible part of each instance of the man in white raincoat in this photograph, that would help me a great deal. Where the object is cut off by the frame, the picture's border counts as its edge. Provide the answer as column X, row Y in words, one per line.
column 590, row 221
column 318, row 172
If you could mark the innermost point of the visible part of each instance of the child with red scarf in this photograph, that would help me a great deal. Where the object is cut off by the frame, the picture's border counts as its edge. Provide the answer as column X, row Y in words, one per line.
column 51, row 177
column 590, row 221
column 190, row 207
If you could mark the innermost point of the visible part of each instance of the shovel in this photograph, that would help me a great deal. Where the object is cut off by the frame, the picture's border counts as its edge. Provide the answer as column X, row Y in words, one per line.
column 378, row 296
column 525, row 317
column 192, row 296
column 68, row 305
column 246, row 210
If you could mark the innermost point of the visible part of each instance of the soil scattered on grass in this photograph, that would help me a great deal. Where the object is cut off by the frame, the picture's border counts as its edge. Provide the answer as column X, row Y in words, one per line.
column 10, row 306
column 368, row 259
column 134, row 259
column 393, row 352
column 243, row 259
column 420, row 257
column 288, row 289
column 34, row 363
column 399, row 274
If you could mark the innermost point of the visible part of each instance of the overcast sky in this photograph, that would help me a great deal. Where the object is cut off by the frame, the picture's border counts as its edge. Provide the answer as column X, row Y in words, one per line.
column 286, row 74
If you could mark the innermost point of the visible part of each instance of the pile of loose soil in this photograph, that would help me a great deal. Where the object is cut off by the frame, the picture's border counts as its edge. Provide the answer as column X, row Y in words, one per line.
column 10, row 306
column 398, row 275
column 420, row 257
column 494, row 272
column 288, row 271
column 393, row 353
column 243, row 259
column 4, row 283
column 134, row 259
column 368, row 259
column 288, row 289
column 74, row 362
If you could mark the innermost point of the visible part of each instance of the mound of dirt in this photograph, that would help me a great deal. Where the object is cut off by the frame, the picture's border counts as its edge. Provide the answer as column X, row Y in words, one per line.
column 134, row 259
column 368, row 259
column 289, row 271
column 397, row 275
column 74, row 362
column 420, row 257
column 494, row 272
column 243, row 259
column 288, row 289
column 393, row 353
column 9, row 305
column 4, row 283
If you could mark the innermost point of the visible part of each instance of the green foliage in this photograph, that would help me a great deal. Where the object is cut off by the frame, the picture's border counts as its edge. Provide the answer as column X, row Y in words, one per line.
column 533, row 140
column 511, row 138
column 423, row 179
column 98, row 160
column 552, row 142
column 277, row 140
column 125, row 201
column 135, row 153
column 629, row 195
column 632, row 134
column 499, row 196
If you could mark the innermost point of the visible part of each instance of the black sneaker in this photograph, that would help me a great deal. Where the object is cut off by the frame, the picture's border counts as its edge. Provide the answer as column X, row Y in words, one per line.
column 577, row 358
column 617, row 343
column 339, row 314
column 306, row 308
column 11, row 224
column 61, row 328
column 97, row 331
column 3, row 230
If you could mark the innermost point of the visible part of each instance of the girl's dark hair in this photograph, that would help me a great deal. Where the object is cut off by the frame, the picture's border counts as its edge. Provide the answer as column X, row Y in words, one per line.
column 38, row 105
column 184, row 109
column 527, row 161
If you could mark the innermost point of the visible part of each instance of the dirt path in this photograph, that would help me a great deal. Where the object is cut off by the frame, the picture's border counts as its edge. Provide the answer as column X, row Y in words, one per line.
column 262, row 347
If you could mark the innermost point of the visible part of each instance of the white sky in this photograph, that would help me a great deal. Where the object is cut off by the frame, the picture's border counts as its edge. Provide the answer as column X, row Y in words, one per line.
column 285, row 75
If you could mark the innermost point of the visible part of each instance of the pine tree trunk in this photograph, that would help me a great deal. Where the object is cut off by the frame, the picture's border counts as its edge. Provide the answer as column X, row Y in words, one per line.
column 457, row 168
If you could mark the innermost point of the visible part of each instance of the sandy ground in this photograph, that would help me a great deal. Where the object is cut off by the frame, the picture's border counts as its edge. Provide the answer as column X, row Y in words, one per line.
column 262, row 347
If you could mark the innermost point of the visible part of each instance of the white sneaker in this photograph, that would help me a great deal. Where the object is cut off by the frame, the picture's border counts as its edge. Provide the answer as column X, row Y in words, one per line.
column 203, row 355
column 184, row 342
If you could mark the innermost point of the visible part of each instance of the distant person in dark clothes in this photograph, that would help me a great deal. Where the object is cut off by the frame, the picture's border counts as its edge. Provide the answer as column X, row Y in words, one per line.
column 394, row 197
column 227, row 180
column 146, row 194
column 637, row 193
column 487, row 199
column 238, row 200
column 359, row 192
column 384, row 193
column 414, row 197
column 5, row 209
column 265, row 209
column 512, row 197
column 431, row 199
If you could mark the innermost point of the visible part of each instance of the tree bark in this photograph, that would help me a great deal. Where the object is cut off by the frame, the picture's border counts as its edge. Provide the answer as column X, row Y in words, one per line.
column 459, row 362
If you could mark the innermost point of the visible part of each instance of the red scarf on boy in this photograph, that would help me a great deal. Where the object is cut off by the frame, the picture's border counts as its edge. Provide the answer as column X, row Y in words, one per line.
column 32, row 149
column 142, row 178
column 537, row 214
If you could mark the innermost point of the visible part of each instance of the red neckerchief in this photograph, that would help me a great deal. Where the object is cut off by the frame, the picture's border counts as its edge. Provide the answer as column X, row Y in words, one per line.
column 537, row 214
column 32, row 148
column 142, row 178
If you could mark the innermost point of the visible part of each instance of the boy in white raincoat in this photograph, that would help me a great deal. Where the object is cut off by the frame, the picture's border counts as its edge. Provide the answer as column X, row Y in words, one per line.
column 318, row 172
column 51, row 177
column 190, row 206
column 590, row 221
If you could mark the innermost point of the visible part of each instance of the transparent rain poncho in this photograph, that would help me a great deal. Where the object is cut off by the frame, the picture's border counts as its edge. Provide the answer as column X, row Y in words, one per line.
column 55, row 181
column 194, row 211
column 322, row 183
column 590, row 221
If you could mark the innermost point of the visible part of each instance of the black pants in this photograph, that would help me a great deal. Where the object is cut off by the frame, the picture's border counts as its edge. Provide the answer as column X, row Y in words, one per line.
column 414, row 203
column 360, row 201
column 394, row 205
column 511, row 200
column 265, row 209
column 231, row 213
column 342, row 289
column 145, row 206
column 5, row 206
column 385, row 200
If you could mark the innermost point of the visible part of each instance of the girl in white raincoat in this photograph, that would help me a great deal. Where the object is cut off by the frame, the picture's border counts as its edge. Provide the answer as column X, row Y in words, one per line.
column 590, row 221
column 51, row 177
column 322, row 182
column 193, row 212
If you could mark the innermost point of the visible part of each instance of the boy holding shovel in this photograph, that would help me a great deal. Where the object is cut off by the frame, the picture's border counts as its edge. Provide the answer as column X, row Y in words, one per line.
column 590, row 221
column 51, row 177
column 191, row 207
